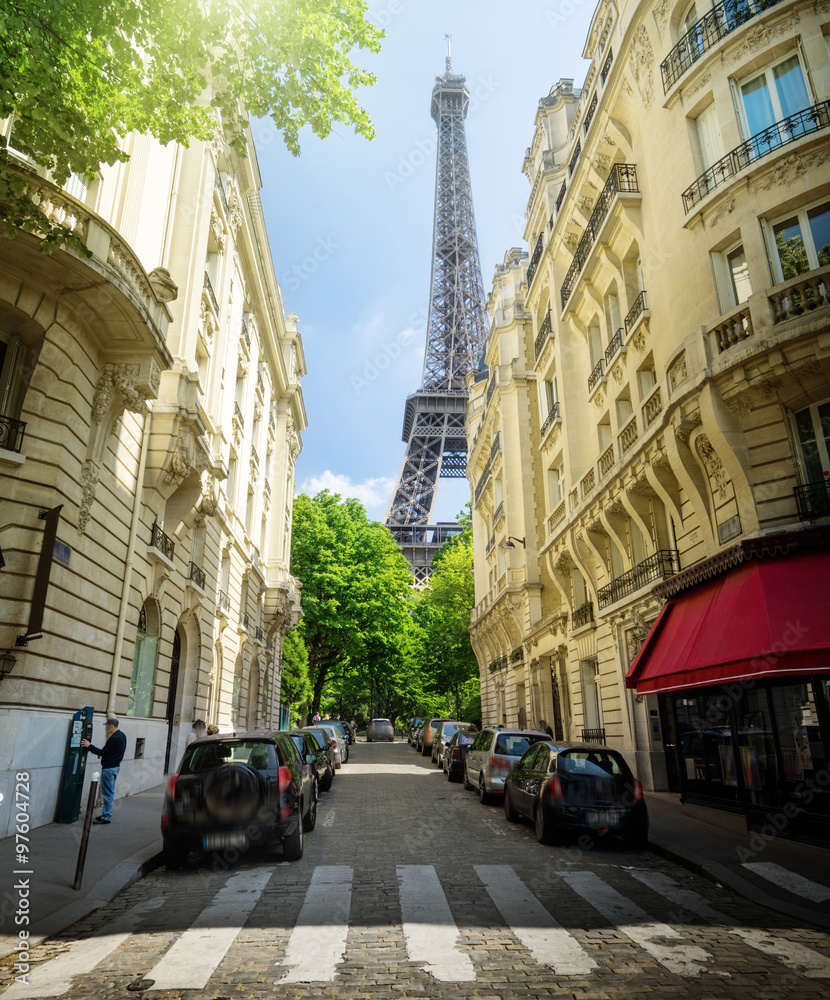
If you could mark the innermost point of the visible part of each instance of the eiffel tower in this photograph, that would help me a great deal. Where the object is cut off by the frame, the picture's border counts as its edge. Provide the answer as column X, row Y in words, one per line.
column 433, row 423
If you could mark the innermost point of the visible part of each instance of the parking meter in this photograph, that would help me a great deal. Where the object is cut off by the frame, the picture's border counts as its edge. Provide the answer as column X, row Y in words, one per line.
column 74, row 765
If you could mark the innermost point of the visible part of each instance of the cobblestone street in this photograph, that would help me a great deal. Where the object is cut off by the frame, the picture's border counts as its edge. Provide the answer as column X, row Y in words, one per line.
column 410, row 887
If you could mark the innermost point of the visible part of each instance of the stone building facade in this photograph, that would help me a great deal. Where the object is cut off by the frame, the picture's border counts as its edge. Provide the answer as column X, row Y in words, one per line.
column 152, row 393
column 675, row 322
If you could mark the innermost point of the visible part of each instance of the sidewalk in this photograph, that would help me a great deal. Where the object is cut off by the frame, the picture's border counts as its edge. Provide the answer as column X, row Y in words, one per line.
column 116, row 856
column 130, row 847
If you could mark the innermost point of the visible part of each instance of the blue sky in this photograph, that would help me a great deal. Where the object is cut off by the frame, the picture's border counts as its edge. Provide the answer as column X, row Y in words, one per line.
column 350, row 221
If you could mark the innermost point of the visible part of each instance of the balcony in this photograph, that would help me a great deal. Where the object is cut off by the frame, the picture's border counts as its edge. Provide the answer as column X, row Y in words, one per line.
column 223, row 604
column 706, row 32
column 499, row 513
column 587, row 484
column 813, row 500
column 664, row 563
column 196, row 576
column 244, row 621
column 550, row 420
column 635, row 313
column 260, row 384
column 556, row 518
column 162, row 542
column 574, row 158
column 622, row 179
column 11, row 433
column 628, row 435
column 246, row 334
column 801, row 294
column 653, row 407
column 606, row 461
column 583, row 615
column 606, row 66
column 220, row 190
column 258, row 634
column 769, row 140
column 208, row 286
column 589, row 115
column 561, row 196
column 237, row 415
column 536, row 256
column 732, row 328
column 254, row 456
column 614, row 345
column 542, row 337
column 596, row 375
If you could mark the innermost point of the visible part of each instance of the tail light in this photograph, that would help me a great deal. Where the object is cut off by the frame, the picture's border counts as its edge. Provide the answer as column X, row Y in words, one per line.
column 169, row 799
column 171, row 788
column 638, row 792
column 334, row 742
column 555, row 788
column 284, row 778
column 500, row 766
column 455, row 753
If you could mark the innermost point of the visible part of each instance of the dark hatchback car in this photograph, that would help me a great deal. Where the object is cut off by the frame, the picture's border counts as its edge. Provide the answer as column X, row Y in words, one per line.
column 324, row 739
column 455, row 754
column 307, row 744
column 347, row 728
column 576, row 787
column 238, row 790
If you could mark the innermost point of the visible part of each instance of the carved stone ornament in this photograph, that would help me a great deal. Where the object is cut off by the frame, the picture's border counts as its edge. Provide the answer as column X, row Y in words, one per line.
column 696, row 88
column 718, row 478
column 292, row 438
column 207, row 323
column 117, row 382
column 186, row 458
column 257, row 409
column 242, row 365
column 641, row 488
column 760, row 37
column 90, row 474
column 678, row 371
column 606, row 140
column 636, row 636
column 163, row 285
column 208, row 505
column 617, row 373
column 571, row 241
column 217, row 142
column 725, row 208
column 234, row 214
column 585, row 205
column 602, row 163
column 641, row 63
column 599, row 399
column 792, row 168
column 640, row 342
column 661, row 12
column 252, row 480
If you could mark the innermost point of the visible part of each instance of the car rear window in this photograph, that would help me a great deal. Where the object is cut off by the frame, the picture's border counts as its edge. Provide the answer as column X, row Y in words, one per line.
column 465, row 739
column 516, row 744
column 591, row 763
column 207, row 756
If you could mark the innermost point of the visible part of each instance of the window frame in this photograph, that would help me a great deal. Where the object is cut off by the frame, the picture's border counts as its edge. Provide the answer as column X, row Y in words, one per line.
column 768, row 229
column 766, row 70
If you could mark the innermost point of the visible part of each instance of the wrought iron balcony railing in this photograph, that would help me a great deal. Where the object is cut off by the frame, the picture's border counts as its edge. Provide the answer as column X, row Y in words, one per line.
column 220, row 188
column 542, row 336
column 561, row 196
column 223, row 604
column 623, row 178
column 197, row 576
column 707, row 31
column 589, row 114
column 574, row 157
column 635, row 312
column 211, row 294
column 550, row 420
column 244, row 620
column 664, row 562
column 595, row 375
column 499, row 512
column 767, row 141
column 260, row 384
column 246, row 333
column 583, row 615
column 593, row 736
column 237, row 414
column 606, row 66
column 258, row 633
column 534, row 259
column 11, row 433
column 813, row 499
column 162, row 542
column 614, row 345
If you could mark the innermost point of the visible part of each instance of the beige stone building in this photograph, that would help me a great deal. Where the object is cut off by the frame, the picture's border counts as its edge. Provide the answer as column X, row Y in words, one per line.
column 672, row 337
column 151, row 392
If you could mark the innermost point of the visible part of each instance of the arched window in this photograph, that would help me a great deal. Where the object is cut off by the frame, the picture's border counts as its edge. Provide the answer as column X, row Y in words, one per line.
column 145, row 658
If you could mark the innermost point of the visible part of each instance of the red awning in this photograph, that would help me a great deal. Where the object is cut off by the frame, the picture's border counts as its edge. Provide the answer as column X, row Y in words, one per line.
column 768, row 617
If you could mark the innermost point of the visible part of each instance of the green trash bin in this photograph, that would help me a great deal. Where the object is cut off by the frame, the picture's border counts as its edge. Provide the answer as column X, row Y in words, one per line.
column 74, row 766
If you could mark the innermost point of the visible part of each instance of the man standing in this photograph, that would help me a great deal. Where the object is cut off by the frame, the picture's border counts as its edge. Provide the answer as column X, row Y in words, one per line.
column 111, row 754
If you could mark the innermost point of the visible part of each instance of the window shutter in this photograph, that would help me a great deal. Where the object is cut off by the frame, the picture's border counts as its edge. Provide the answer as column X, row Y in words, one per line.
column 708, row 136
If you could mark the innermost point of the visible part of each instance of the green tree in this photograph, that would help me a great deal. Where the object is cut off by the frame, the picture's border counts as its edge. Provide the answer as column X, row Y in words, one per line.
column 296, row 687
column 79, row 75
column 356, row 585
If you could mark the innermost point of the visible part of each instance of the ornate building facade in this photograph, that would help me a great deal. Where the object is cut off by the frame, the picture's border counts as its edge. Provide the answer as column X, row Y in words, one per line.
column 150, row 400
column 677, row 329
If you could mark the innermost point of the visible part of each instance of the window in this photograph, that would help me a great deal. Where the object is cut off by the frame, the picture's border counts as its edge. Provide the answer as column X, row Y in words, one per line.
column 556, row 481
column 646, row 378
column 801, row 242
column 732, row 274
column 708, row 137
column 143, row 678
column 624, row 411
column 604, row 432
column 12, row 353
column 812, row 426
column 775, row 93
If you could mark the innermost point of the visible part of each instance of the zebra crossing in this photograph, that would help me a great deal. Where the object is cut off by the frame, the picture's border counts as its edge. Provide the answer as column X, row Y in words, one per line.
column 318, row 943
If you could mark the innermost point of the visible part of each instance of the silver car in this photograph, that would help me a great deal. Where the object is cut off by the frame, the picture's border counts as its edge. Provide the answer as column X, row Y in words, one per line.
column 444, row 733
column 380, row 729
column 492, row 756
column 336, row 738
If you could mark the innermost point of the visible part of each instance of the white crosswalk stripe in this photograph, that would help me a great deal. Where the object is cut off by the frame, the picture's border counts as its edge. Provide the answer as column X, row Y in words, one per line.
column 793, row 954
column 546, row 940
column 682, row 958
column 318, row 942
column 431, row 934
column 192, row 960
column 53, row 978
column 791, row 881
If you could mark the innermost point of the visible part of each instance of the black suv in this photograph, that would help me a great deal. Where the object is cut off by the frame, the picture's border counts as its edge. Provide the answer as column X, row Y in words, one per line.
column 238, row 790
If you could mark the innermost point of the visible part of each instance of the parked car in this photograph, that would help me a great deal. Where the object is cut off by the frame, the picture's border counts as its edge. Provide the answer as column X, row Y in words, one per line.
column 455, row 754
column 324, row 740
column 335, row 738
column 427, row 735
column 346, row 727
column 492, row 756
column 380, row 729
column 238, row 790
column 307, row 744
column 576, row 786
column 416, row 733
column 342, row 736
column 444, row 733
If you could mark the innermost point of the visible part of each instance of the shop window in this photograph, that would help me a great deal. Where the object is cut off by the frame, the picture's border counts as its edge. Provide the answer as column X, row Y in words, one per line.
column 812, row 426
column 778, row 91
column 708, row 763
column 756, row 747
column 800, row 242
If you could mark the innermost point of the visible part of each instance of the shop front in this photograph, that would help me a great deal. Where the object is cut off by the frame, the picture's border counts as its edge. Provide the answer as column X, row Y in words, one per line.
column 740, row 659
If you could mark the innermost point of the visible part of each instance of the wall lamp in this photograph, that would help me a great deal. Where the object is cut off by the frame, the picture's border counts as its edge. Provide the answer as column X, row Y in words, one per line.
column 7, row 661
column 507, row 544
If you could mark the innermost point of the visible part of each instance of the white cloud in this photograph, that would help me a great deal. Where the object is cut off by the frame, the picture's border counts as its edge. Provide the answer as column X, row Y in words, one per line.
column 374, row 494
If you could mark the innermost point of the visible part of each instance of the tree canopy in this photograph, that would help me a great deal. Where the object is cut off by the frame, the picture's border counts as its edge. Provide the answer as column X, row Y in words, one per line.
column 79, row 75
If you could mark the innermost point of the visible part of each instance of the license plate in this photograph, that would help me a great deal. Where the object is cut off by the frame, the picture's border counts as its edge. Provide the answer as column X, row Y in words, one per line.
column 601, row 817
column 212, row 841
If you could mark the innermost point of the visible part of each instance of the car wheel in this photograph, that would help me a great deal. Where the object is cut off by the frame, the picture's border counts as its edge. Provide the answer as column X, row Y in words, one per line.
column 544, row 832
column 483, row 794
column 311, row 815
column 510, row 813
column 292, row 845
column 467, row 783
column 346, row 755
column 425, row 750
column 174, row 855
column 368, row 739
column 325, row 784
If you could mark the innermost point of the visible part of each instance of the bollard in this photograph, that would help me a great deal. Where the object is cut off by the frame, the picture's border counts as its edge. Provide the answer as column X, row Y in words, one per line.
column 90, row 805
